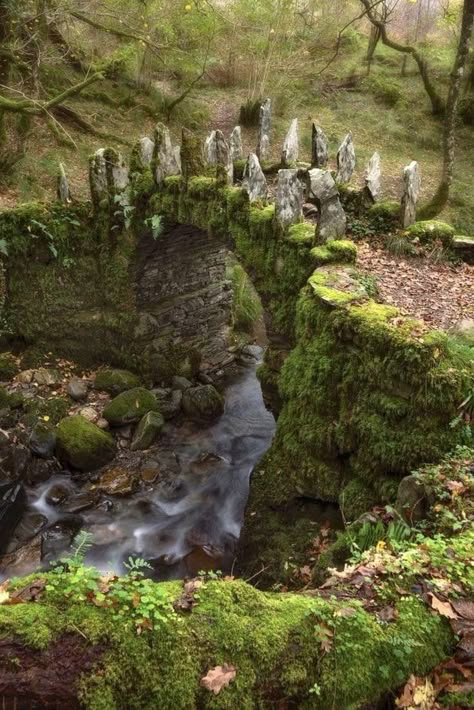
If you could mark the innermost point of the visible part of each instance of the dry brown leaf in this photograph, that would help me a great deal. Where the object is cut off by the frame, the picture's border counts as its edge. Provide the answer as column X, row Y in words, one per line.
column 218, row 678
column 463, row 607
column 443, row 608
column 388, row 613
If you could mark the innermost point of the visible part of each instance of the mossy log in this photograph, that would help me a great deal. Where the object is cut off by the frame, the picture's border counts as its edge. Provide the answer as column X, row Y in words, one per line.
column 288, row 650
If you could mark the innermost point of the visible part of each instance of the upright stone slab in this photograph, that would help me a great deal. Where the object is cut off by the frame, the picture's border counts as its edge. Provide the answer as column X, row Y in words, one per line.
column 117, row 171
column 236, row 148
column 411, row 193
column 346, row 160
column 373, row 177
column 142, row 155
column 322, row 189
column 289, row 198
column 98, row 177
column 108, row 175
column 265, row 127
column 290, row 150
column 164, row 159
column 192, row 159
column 217, row 152
column 254, row 181
column 319, row 148
column 63, row 191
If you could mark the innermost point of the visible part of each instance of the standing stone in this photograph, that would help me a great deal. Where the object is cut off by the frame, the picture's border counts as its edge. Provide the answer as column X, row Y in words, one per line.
column 332, row 218
column 217, row 152
column 108, row 175
column 236, row 148
column 411, row 192
column 142, row 155
column 164, row 159
column 177, row 157
column 265, row 127
column 117, row 171
column 291, row 144
column 63, row 191
column 98, row 177
column 192, row 161
column 373, row 177
column 289, row 198
column 319, row 148
column 346, row 160
column 254, row 181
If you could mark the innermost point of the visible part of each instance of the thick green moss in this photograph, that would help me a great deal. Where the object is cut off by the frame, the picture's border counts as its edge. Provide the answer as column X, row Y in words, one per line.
column 130, row 406
column 431, row 231
column 82, row 444
column 115, row 381
column 385, row 211
column 303, row 234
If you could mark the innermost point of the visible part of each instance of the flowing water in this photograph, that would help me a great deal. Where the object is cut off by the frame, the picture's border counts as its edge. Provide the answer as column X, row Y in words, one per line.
column 190, row 518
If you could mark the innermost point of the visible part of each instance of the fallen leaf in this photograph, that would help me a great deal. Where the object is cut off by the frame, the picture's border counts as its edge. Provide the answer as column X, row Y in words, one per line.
column 31, row 592
column 443, row 608
column 218, row 678
column 465, row 608
column 346, row 611
column 388, row 613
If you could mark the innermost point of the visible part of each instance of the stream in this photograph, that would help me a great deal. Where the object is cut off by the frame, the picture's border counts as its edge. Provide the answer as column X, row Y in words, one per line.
column 188, row 519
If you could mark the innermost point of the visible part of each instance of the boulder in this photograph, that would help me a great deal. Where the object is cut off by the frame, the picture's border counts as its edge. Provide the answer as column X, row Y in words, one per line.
column 43, row 440
column 56, row 494
column 90, row 414
column 47, row 377
column 25, row 377
column 130, row 406
column 171, row 407
column 115, row 381
column 77, row 389
column 82, row 444
column 203, row 403
column 147, row 431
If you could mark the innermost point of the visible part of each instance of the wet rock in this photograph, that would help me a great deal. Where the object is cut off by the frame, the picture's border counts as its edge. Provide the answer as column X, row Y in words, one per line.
column 129, row 407
column 25, row 377
column 203, row 403
column 181, row 383
column 26, row 558
column 41, row 470
column 346, row 160
column 411, row 192
column 164, row 157
column 171, row 407
column 289, row 198
column 150, row 472
column 15, row 462
column 80, row 502
column 291, row 144
column 147, row 431
column 115, row 381
column 116, row 482
column 77, row 389
column 57, row 494
column 42, row 440
column 254, row 181
column 373, row 178
column 47, row 377
column 58, row 538
column 319, row 148
column 30, row 525
column 82, row 444
column 236, row 148
column 265, row 127
column 12, row 506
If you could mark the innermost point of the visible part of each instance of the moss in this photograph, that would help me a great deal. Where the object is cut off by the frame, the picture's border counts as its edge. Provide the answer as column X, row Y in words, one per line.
column 431, row 231
column 192, row 161
column 385, row 212
column 356, row 498
column 8, row 366
column 130, row 406
column 115, row 381
column 303, row 234
column 54, row 408
column 82, row 444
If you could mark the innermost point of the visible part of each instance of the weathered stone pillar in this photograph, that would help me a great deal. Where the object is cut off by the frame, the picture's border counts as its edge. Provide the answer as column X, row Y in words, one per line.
column 164, row 159
column 142, row 154
column 62, row 190
column 192, row 161
column 217, row 152
column 236, row 148
column 265, row 127
column 373, row 176
column 319, row 148
column 291, row 144
column 289, row 198
column 346, row 160
column 254, row 181
column 108, row 175
column 411, row 192
column 332, row 218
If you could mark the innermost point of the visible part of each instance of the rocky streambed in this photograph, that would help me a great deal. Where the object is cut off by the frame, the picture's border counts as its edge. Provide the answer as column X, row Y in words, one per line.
column 158, row 473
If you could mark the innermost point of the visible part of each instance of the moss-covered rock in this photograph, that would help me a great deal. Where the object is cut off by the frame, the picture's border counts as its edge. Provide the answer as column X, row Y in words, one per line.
column 356, row 498
column 115, row 381
column 130, row 406
column 431, row 231
column 82, row 444
column 203, row 403
column 147, row 431
column 387, row 211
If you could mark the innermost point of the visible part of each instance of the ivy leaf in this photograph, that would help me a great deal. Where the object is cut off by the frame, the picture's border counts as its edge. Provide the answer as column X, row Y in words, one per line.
column 218, row 678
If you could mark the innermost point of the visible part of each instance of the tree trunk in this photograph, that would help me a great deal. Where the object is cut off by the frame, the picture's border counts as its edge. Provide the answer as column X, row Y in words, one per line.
column 441, row 197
